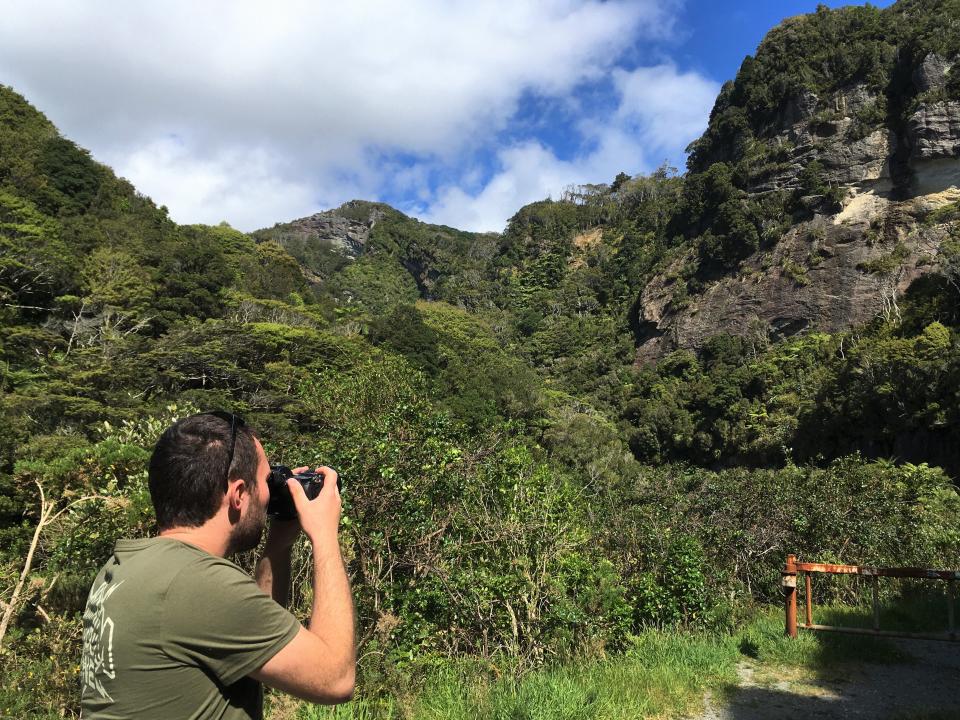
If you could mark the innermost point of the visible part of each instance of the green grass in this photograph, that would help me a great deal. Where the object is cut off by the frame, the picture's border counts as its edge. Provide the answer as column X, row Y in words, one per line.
column 663, row 674
column 764, row 640
column 923, row 612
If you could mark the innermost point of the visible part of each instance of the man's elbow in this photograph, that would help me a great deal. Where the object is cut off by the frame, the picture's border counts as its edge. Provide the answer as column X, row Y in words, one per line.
column 344, row 686
column 337, row 689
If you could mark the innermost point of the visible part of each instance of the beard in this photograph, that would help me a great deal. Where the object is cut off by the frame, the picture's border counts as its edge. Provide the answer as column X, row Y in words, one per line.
column 247, row 533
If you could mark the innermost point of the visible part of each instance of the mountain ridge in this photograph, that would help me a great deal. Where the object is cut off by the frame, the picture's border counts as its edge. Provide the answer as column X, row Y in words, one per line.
column 821, row 162
column 619, row 297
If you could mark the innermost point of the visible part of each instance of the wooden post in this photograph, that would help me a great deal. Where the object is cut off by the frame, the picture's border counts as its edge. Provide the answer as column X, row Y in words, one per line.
column 876, row 602
column 790, row 595
column 808, row 597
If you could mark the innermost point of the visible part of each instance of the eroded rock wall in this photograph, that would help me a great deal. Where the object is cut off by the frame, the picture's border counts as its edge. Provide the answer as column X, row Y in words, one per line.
column 838, row 269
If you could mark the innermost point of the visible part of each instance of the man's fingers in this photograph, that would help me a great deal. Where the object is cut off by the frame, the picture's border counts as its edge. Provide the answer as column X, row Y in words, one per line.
column 328, row 472
column 296, row 491
column 329, row 477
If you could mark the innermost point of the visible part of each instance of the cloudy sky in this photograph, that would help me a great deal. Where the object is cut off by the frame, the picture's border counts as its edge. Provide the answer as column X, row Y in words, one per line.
column 454, row 111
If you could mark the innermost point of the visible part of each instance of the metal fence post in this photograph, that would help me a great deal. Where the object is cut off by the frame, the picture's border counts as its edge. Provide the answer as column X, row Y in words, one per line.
column 951, row 625
column 876, row 602
column 790, row 595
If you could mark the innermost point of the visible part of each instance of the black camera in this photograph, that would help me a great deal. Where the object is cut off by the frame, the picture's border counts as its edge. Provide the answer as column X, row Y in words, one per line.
column 281, row 501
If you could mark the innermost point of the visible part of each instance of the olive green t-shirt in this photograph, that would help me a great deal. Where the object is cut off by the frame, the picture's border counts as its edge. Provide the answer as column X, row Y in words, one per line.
column 170, row 631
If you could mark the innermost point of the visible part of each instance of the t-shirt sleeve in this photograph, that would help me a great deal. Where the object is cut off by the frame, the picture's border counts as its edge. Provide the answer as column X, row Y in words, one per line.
column 218, row 618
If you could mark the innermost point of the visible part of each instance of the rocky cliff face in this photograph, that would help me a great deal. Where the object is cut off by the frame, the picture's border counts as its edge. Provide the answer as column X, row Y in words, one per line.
column 345, row 229
column 846, row 264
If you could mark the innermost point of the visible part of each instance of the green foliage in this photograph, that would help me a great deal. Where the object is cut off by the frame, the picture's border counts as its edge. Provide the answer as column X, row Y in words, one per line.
column 688, row 409
column 673, row 589
column 950, row 261
column 41, row 670
column 883, row 392
column 726, row 222
column 515, row 486
column 944, row 214
column 796, row 272
column 405, row 332
column 115, row 279
column 819, row 53
column 883, row 389
column 74, row 178
column 272, row 273
column 683, row 522
column 34, row 263
column 479, row 380
column 375, row 283
column 887, row 263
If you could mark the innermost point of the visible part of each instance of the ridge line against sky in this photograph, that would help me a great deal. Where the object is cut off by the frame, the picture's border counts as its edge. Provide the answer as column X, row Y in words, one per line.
column 455, row 112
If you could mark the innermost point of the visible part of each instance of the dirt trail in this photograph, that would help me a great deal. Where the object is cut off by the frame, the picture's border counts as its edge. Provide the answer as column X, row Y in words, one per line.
column 926, row 687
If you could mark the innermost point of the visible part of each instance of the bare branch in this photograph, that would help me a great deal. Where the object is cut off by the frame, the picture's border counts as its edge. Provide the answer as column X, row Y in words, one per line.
column 47, row 516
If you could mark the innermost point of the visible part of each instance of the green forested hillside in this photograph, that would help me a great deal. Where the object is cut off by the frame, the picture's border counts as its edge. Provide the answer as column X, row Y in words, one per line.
column 517, row 486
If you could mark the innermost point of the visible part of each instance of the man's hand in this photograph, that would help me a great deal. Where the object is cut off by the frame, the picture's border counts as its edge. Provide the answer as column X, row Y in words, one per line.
column 283, row 533
column 319, row 664
column 320, row 517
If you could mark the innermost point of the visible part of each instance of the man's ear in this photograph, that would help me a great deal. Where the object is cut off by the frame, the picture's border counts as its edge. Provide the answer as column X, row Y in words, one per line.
column 236, row 492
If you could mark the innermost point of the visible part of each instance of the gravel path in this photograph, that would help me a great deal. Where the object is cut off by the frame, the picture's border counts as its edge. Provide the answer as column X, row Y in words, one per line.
column 927, row 687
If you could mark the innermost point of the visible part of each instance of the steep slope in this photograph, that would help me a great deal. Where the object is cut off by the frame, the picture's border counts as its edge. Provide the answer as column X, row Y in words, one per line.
column 375, row 256
column 825, row 183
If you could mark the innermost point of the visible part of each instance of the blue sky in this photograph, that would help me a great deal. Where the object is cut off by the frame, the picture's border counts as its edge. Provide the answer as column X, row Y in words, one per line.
column 454, row 111
column 720, row 34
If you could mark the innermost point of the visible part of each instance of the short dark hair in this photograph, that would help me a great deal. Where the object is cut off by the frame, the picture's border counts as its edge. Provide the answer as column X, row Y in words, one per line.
column 188, row 469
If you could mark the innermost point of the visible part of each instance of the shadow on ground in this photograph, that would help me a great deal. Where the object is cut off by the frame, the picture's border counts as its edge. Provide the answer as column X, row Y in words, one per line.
column 862, row 700
column 828, row 675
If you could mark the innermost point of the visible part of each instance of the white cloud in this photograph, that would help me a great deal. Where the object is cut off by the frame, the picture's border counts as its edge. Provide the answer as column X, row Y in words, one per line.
column 666, row 107
column 528, row 172
column 660, row 111
column 240, row 188
column 312, row 92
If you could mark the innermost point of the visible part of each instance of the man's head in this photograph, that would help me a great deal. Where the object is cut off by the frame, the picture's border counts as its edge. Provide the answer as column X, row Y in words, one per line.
column 193, row 477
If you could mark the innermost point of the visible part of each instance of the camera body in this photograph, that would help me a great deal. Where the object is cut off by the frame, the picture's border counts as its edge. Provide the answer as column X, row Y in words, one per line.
column 281, row 501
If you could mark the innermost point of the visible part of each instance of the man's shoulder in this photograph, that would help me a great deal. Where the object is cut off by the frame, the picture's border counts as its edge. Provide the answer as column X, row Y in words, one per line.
column 193, row 567
column 158, row 563
column 198, row 573
column 167, row 550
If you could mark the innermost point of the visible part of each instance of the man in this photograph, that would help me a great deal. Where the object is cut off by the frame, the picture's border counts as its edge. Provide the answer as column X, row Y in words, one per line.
column 172, row 629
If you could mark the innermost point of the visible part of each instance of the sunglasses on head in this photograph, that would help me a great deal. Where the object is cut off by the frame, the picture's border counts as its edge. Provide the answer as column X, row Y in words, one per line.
column 235, row 422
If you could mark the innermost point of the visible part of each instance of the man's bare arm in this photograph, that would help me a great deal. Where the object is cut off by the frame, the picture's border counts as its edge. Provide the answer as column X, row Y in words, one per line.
column 273, row 569
column 273, row 574
column 319, row 664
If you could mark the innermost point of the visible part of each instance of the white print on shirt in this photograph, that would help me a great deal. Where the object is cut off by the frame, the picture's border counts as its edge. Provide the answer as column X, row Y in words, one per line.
column 98, row 641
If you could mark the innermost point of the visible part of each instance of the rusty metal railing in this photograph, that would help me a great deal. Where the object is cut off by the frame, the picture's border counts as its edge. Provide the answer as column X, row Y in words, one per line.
column 793, row 568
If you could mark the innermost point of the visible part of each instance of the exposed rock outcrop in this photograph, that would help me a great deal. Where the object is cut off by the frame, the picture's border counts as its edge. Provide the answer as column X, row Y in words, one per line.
column 934, row 131
column 849, row 152
column 346, row 228
column 829, row 274
column 931, row 74
column 839, row 270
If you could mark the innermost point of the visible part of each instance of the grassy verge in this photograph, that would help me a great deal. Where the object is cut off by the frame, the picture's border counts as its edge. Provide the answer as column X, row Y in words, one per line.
column 763, row 640
column 663, row 674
